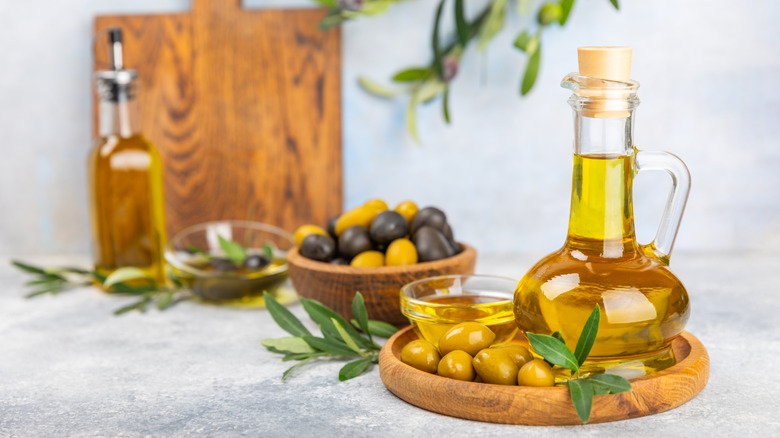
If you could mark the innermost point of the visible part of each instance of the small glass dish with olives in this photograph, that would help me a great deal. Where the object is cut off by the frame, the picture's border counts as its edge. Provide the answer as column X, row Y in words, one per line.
column 434, row 305
column 232, row 262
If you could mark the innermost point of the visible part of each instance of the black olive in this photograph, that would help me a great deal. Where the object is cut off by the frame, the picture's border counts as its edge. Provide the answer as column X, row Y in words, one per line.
column 429, row 216
column 447, row 230
column 222, row 265
column 332, row 226
column 256, row 262
column 388, row 226
column 353, row 241
column 339, row 261
column 432, row 244
column 318, row 247
column 381, row 247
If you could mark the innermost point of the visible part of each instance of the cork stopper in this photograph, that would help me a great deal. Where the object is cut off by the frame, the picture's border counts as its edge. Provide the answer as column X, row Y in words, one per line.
column 605, row 100
column 611, row 63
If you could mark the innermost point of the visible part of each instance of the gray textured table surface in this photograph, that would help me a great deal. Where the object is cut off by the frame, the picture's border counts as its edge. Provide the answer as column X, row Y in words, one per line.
column 68, row 367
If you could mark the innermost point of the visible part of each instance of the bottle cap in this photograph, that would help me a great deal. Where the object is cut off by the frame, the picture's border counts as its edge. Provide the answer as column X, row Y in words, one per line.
column 610, row 63
column 606, row 81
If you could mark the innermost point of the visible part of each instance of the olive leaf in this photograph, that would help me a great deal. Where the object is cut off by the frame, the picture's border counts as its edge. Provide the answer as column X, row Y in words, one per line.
column 361, row 315
column 376, row 89
column 437, row 55
column 288, row 345
column 28, row 268
column 411, row 122
column 300, row 356
column 165, row 301
column 329, row 345
column 412, row 74
column 347, row 338
column 531, row 71
column 554, row 351
column 615, row 4
column 378, row 328
column 354, row 369
column 566, row 6
column 325, row 316
column 523, row 40
column 446, row 104
column 613, row 383
column 122, row 275
column 233, row 251
column 582, row 398
column 461, row 25
column 268, row 251
column 138, row 305
column 429, row 89
column 294, row 367
column 332, row 19
column 587, row 336
column 286, row 320
column 493, row 23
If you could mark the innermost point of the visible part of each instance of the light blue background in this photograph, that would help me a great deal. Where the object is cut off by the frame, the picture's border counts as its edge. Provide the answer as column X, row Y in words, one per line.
column 501, row 171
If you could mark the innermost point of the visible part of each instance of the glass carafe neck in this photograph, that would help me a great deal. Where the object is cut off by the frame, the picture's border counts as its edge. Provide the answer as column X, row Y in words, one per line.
column 602, row 219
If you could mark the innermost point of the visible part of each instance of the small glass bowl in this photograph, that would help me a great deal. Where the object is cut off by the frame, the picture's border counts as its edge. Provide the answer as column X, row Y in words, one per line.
column 433, row 305
column 194, row 255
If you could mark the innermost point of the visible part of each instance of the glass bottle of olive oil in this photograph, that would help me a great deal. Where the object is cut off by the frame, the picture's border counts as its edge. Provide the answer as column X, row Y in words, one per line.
column 125, row 178
column 644, row 306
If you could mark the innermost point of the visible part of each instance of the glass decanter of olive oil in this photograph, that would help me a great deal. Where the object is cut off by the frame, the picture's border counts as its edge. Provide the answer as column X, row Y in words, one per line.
column 125, row 178
column 644, row 306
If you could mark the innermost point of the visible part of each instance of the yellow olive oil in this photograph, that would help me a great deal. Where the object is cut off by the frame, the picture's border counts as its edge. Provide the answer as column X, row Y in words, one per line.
column 440, row 313
column 238, row 288
column 643, row 305
column 127, row 207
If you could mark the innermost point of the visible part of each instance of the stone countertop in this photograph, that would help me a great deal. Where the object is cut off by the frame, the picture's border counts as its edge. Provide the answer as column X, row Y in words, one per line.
column 68, row 367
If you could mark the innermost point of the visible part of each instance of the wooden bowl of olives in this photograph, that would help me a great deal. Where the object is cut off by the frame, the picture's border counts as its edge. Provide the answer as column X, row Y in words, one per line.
column 375, row 251
column 232, row 262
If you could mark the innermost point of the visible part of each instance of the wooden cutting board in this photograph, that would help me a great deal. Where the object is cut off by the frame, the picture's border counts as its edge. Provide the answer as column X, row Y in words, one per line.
column 244, row 107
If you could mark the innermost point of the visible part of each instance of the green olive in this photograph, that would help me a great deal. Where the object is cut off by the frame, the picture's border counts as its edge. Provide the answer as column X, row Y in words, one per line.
column 377, row 203
column 467, row 336
column 495, row 366
column 457, row 365
column 401, row 252
column 536, row 373
column 362, row 215
column 408, row 209
column 518, row 353
column 368, row 259
column 422, row 355
column 305, row 230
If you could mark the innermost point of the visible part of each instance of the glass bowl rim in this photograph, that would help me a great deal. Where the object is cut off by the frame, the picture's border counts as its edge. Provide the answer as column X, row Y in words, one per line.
column 407, row 286
column 171, row 257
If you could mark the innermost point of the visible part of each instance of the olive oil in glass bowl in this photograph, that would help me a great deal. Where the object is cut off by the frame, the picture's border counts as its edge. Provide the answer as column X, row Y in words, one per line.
column 434, row 305
column 199, row 260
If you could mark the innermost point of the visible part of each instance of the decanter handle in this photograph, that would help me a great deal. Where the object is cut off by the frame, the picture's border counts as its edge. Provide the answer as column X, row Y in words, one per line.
column 661, row 246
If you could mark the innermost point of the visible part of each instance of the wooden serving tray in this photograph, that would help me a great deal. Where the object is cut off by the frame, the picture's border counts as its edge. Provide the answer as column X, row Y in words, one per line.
column 655, row 393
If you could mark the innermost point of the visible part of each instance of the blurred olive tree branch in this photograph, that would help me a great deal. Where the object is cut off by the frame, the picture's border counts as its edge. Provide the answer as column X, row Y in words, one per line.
column 425, row 83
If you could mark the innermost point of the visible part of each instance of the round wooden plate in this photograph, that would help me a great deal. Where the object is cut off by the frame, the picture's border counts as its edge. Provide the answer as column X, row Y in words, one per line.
column 655, row 393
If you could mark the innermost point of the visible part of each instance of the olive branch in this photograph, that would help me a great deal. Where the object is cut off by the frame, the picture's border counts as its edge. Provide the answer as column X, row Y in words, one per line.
column 425, row 83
